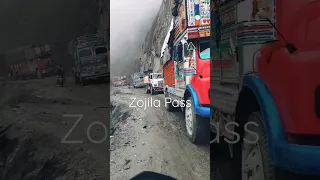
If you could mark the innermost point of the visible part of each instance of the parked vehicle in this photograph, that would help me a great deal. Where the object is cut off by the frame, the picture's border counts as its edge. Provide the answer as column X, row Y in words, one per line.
column 265, row 86
column 154, row 83
column 138, row 80
column 31, row 62
column 91, row 59
column 191, row 72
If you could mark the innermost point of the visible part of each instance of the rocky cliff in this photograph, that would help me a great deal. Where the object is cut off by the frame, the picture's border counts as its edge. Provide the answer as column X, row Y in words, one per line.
column 151, row 48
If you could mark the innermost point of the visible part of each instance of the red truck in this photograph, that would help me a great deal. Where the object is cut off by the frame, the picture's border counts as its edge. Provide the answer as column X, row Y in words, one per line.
column 190, row 67
column 31, row 62
column 265, row 85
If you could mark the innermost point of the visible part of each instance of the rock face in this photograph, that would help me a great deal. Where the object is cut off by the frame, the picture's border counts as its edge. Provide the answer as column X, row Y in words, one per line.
column 151, row 49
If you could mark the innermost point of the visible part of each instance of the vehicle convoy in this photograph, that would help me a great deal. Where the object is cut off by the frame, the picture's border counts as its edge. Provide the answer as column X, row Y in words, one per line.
column 154, row 83
column 265, row 78
column 191, row 72
column 119, row 81
column 31, row 62
column 138, row 80
column 91, row 59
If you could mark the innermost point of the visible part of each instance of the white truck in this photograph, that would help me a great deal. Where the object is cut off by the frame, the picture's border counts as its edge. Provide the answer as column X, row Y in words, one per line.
column 154, row 83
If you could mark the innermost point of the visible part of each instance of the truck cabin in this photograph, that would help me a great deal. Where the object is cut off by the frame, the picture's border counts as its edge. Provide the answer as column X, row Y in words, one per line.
column 87, row 51
column 155, row 76
column 138, row 76
column 198, row 49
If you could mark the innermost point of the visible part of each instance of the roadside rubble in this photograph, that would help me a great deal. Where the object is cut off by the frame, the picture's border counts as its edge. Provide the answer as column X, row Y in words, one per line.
column 31, row 130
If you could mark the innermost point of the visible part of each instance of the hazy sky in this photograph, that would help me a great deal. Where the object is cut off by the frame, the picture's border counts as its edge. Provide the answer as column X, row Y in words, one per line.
column 130, row 22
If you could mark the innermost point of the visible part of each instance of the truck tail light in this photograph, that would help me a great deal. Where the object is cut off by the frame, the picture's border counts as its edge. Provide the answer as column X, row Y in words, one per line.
column 317, row 102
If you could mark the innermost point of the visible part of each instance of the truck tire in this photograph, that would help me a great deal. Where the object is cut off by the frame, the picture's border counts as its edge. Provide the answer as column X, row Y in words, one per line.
column 76, row 79
column 259, row 164
column 169, row 106
column 39, row 75
column 83, row 82
column 198, row 128
column 152, row 91
column 147, row 90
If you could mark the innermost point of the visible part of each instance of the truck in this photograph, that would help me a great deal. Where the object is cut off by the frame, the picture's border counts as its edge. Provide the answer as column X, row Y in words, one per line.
column 191, row 67
column 91, row 57
column 265, row 86
column 34, row 61
column 46, row 66
column 119, row 81
column 154, row 83
column 138, row 80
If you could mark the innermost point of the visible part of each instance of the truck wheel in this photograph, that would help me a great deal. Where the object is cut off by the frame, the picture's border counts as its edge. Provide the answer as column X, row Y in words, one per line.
column 39, row 75
column 169, row 106
column 255, row 160
column 147, row 90
column 83, row 82
column 152, row 91
column 198, row 128
column 76, row 79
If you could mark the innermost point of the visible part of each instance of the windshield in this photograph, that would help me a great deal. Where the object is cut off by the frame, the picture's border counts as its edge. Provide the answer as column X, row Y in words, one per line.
column 101, row 50
column 85, row 52
column 157, row 76
column 204, row 50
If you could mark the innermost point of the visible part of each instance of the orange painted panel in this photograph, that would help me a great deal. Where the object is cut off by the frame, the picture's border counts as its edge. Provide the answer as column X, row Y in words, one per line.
column 168, row 73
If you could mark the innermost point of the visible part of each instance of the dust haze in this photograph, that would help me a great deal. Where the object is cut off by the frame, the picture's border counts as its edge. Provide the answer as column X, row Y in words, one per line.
column 38, row 21
column 130, row 22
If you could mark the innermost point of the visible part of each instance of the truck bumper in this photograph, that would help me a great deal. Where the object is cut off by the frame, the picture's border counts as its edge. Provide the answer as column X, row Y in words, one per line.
column 96, row 76
column 158, row 89
column 298, row 158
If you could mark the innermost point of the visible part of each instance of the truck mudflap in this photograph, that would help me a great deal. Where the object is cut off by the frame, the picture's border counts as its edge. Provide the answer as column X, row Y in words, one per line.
column 199, row 110
column 293, row 157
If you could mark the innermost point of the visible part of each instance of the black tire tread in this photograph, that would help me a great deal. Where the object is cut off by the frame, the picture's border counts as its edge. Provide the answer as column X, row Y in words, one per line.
column 264, row 146
column 202, row 133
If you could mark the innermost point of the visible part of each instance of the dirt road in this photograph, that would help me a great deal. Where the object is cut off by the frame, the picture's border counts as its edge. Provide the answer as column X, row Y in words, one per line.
column 32, row 119
column 152, row 139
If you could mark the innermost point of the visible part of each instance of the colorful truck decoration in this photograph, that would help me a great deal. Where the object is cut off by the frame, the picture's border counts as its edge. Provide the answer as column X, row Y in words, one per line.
column 265, row 85
column 191, row 67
